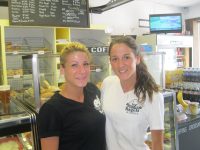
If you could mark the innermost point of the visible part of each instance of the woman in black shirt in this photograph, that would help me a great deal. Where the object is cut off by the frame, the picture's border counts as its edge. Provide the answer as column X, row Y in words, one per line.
column 72, row 119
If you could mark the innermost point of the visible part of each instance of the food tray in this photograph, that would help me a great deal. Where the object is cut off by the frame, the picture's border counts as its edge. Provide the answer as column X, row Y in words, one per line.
column 37, row 43
column 16, row 44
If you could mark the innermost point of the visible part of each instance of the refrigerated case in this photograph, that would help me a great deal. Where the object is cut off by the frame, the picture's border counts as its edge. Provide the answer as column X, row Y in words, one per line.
column 155, row 63
column 178, row 49
column 171, row 141
column 170, row 125
column 18, row 129
column 42, row 82
column 18, row 120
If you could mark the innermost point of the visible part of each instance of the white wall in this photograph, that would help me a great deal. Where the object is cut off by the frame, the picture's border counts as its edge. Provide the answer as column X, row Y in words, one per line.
column 192, row 12
column 124, row 19
column 3, row 12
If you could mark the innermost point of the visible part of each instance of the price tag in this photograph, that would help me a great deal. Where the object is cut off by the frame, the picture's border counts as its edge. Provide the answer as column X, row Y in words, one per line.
column 15, row 52
column 16, row 76
column 40, row 52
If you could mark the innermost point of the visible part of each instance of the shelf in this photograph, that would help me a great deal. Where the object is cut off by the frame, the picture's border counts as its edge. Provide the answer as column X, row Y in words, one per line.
column 28, row 52
column 14, row 119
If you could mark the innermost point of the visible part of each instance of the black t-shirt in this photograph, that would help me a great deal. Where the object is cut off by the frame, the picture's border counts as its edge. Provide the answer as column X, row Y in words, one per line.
column 80, row 126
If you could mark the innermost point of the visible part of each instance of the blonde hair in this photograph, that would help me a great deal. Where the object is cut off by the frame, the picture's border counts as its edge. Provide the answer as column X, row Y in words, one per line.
column 73, row 47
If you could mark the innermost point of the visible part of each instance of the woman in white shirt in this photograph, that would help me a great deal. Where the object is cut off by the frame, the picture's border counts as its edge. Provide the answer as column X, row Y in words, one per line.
column 131, row 100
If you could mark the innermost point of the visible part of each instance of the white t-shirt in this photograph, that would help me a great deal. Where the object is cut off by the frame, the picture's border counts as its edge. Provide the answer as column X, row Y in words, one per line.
column 126, row 119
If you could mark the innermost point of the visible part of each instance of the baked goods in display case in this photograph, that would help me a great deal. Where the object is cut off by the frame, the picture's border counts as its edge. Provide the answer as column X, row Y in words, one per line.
column 10, row 47
column 14, row 72
column 21, row 141
column 26, row 139
column 10, row 143
column 46, row 91
column 26, row 44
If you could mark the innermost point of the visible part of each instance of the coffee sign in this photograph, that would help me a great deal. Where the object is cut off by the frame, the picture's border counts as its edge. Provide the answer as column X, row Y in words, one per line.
column 101, row 49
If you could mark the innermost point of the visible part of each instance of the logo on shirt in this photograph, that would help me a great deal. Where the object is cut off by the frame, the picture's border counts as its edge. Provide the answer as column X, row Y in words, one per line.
column 133, row 107
column 97, row 104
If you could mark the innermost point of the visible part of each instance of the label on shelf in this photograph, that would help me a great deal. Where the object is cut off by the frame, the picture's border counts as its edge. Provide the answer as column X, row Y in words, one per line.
column 61, row 41
column 16, row 76
column 15, row 52
column 40, row 52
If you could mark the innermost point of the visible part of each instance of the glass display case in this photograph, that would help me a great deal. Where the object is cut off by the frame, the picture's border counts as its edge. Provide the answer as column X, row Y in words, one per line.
column 41, row 83
column 18, row 119
column 155, row 63
column 170, row 133
column 17, row 128
column 170, row 125
column 18, row 43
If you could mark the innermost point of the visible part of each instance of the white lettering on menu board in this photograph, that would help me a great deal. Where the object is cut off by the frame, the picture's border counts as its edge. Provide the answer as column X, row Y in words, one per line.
column 47, row 8
column 22, row 9
column 71, row 11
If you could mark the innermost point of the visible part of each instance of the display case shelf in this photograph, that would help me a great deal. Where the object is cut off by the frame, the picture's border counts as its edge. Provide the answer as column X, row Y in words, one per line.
column 28, row 52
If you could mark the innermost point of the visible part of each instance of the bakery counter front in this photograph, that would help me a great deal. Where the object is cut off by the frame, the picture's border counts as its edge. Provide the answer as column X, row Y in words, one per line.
column 13, row 119
column 189, row 133
column 16, row 127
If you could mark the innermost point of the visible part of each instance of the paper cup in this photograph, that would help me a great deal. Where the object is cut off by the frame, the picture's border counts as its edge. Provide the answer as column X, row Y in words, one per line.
column 194, row 108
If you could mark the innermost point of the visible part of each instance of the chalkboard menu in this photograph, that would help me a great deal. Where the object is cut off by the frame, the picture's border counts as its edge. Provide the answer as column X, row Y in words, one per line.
column 68, row 13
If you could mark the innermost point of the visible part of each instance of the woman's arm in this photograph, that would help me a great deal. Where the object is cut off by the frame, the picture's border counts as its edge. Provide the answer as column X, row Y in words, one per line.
column 50, row 143
column 157, row 139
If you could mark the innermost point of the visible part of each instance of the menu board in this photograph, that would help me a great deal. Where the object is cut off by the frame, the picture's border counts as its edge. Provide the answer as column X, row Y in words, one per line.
column 68, row 13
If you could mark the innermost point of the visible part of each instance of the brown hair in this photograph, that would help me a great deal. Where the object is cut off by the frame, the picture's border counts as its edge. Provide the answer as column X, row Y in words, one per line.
column 73, row 47
column 145, row 83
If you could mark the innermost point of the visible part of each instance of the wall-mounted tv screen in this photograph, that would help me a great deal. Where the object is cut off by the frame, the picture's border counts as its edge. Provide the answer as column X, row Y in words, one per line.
column 165, row 23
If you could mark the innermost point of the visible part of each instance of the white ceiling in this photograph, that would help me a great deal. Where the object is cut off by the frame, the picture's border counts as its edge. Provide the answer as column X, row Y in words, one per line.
column 178, row 3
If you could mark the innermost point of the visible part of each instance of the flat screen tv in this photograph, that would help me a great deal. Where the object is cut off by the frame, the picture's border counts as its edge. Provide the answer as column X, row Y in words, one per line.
column 165, row 23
